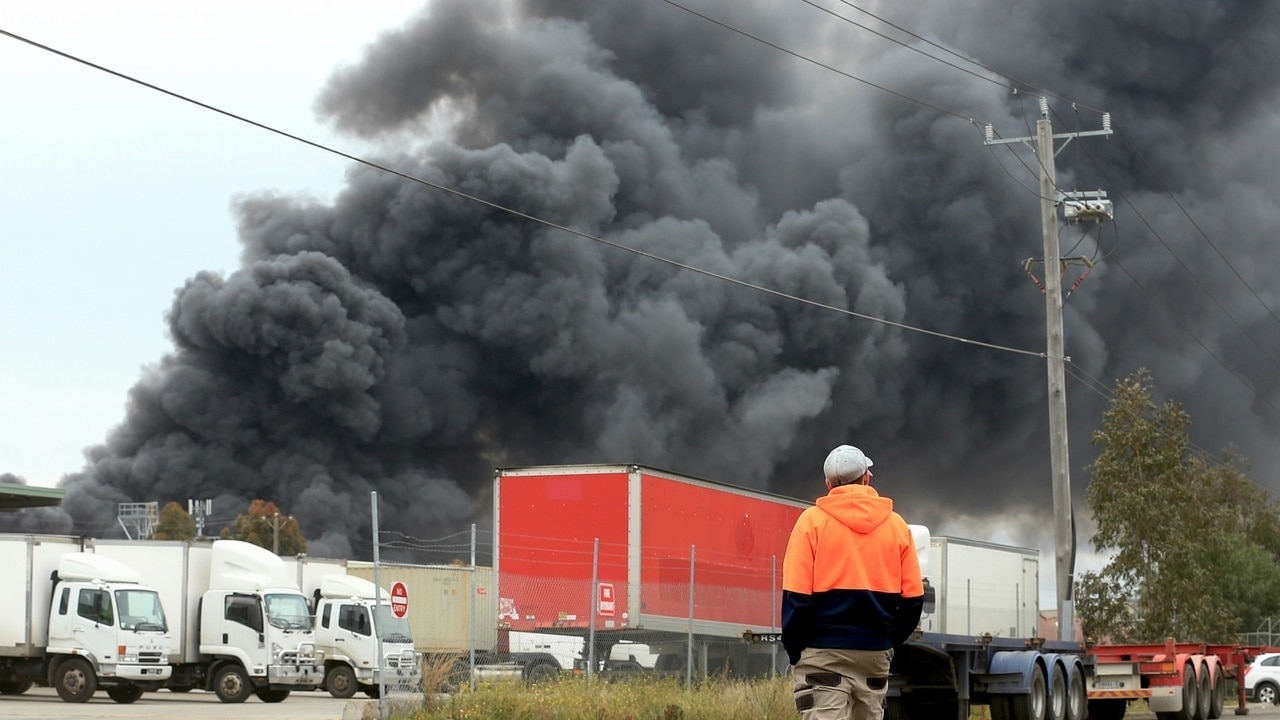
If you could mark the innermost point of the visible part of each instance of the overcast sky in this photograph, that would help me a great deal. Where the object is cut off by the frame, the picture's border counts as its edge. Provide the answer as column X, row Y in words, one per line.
column 113, row 195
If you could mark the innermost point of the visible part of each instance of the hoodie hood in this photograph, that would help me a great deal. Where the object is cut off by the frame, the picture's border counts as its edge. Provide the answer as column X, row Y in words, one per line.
column 858, row 507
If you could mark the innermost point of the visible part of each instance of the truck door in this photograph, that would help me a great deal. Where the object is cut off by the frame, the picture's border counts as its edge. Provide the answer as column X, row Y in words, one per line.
column 355, row 634
column 86, row 622
column 242, row 628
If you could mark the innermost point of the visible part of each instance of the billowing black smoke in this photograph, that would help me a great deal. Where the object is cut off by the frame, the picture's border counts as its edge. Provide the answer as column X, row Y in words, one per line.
column 408, row 340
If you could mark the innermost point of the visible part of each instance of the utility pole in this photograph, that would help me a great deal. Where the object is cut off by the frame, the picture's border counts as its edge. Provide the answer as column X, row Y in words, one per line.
column 276, row 524
column 1095, row 209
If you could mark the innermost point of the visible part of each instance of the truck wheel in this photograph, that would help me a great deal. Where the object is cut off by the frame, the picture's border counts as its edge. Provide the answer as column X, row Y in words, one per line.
column 75, row 681
column 124, row 694
column 1058, row 694
column 1190, row 695
column 267, row 695
column 341, row 682
column 1077, row 696
column 231, row 685
column 14, row 687
column 1204, row 694
column 541, row 672
column 373, row 691
column 1218, row 696
column 1033, row 705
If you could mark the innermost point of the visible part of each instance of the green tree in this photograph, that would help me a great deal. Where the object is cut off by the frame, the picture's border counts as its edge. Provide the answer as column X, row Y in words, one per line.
column 1160, row 517
column 175, row 524
column 264, row 525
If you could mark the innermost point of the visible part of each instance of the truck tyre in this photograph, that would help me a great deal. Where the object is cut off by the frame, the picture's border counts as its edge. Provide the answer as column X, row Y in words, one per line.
column 541, row 672
column 1077, row 696
column 1107, row 709
column 1058, row 694
column 267, row 695
column 341, row 681
column 231, row 684
column 14, row 687
column 1218, row 696
column 75, row 681
column 1204, row 695
column 1190, row 695
column 373, row 691
column 124, row 694
column 1033, row 704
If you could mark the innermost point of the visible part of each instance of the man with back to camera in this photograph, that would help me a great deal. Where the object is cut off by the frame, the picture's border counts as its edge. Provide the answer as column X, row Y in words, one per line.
column 851, row 593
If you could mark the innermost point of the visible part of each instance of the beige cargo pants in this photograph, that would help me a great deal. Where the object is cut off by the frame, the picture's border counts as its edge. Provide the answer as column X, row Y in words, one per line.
column 834, row 684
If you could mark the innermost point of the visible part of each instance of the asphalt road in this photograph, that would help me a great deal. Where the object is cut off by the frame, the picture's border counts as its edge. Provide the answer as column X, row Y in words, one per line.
column 44, row 704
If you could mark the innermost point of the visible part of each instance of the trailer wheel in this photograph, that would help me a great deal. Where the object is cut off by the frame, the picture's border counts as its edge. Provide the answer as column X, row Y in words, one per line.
column 1218, row 696
column 231, row 685
column 1107, row 709
column 1058, row 694
column 14, row 687
column 998, row 707
column 1204, row 695
column 1190, row 697
column 1032, row 705
column 267, row 695
column 75, row 681
column 1077, row 697
column 341, row 682
column 124, row 694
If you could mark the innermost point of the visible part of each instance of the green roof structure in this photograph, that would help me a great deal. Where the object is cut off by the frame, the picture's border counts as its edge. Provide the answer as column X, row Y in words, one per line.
column 16, row 497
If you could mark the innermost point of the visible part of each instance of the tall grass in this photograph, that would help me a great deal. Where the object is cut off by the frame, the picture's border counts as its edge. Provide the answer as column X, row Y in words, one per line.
column 648, row 698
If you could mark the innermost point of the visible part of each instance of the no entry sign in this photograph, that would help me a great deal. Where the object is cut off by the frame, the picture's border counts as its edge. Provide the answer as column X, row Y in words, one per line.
column 399, row 599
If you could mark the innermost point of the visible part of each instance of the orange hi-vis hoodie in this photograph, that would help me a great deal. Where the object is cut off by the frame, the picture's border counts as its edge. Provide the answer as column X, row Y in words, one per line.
column 851, row 578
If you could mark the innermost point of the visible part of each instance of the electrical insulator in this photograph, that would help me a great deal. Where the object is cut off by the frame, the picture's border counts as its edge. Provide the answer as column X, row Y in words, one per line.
column 1106, row 121
column 1044, row 106
column 990, row 133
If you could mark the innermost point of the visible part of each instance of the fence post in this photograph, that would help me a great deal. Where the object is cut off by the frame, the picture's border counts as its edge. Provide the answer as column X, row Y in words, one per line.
column 688, row 667
column 595, row 604
column 471, row 640
column 774, row 612
column 377, row 603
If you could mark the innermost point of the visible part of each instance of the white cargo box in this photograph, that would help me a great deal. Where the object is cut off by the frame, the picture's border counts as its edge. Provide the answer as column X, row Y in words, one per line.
column 982, row 588
column 29, row 562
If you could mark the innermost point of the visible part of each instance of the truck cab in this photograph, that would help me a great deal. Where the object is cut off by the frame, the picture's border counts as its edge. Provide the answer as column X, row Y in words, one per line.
column 105, row 629
column 256, row 626
column 352, row 618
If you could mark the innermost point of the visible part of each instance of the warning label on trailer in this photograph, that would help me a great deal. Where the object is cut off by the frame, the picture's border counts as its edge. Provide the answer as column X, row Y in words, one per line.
column 607, row 602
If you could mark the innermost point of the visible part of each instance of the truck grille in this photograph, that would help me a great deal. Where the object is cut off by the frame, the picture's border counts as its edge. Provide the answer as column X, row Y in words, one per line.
column 151, row 657
column 406, row 659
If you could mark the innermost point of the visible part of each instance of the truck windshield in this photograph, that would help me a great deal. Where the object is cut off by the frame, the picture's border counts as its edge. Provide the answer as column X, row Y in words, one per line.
column 140, row 610
column 288, row 611
column 391, row 628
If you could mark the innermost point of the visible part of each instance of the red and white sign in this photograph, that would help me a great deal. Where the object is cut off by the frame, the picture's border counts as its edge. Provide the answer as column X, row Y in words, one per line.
column 399, row 599
column 607, row 603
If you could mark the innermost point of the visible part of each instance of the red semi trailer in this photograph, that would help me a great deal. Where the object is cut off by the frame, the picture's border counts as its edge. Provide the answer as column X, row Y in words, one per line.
column 630, row 554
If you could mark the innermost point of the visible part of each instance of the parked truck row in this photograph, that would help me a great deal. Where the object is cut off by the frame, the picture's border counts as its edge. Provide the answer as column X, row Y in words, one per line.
column 688, row 582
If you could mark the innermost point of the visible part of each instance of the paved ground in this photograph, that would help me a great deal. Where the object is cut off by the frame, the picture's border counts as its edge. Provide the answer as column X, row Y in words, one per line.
column 44, row 704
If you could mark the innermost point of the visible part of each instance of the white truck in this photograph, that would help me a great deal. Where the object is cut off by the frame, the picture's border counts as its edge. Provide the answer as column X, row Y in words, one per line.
column 352, row 617
column 77, row 622
column 244, row 626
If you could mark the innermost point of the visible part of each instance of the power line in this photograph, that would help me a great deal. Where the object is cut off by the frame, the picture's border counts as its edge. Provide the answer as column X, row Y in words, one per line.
column 517, row 213
column 820, row 64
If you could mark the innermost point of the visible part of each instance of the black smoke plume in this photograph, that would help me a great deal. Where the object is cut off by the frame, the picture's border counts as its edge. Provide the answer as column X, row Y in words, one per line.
column 406, row 340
